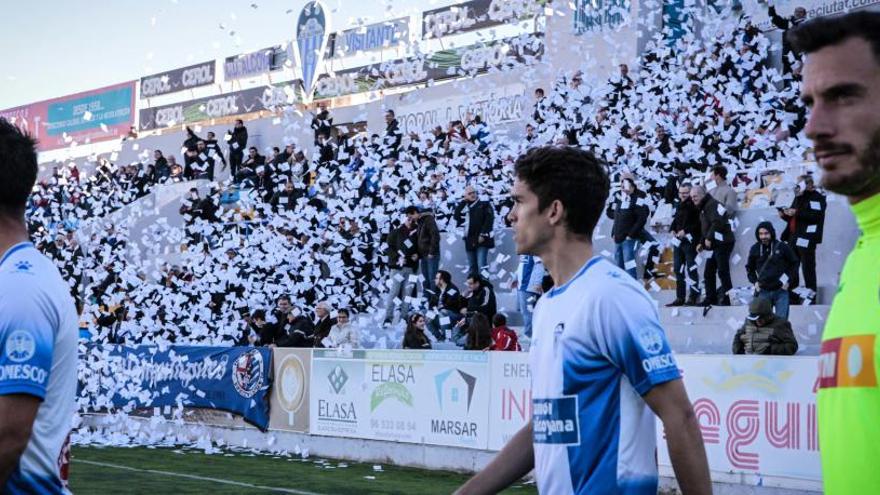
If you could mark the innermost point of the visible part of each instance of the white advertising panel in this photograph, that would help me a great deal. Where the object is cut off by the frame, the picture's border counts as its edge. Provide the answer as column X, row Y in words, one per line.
column 433, row 397
column 757, row 414
column 510, row 400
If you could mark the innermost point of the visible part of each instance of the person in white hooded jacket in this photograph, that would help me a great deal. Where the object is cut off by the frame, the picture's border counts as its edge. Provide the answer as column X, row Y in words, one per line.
column 344, row 333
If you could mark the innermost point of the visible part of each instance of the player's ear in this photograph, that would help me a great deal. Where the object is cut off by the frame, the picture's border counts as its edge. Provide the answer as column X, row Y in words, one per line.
column 555, row 212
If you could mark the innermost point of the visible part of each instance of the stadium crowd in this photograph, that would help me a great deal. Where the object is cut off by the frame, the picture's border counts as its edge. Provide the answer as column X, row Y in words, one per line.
column 345, row 243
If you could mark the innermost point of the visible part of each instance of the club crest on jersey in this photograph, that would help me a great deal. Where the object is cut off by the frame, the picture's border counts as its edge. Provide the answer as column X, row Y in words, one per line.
column 651, row 340
column 20, row 346
column 247, row 373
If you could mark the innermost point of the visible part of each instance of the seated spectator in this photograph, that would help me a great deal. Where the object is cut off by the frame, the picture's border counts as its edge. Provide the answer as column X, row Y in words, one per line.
column 343, row 334
column 479, row 334
column 258, row 332
column 481, row 297
column 448, row 302
column 770, row 267
column 503, row 338
column 414, row 337
column 248, row 168
column 323, row 323
column 285, row 200
column 296, row 330
column 764, row 333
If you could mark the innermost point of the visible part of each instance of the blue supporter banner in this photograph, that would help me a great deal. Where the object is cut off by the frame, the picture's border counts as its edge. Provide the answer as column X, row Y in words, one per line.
column 233, row 379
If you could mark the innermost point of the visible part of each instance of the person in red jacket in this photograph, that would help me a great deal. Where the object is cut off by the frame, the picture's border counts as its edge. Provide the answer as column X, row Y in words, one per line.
column 503, row 338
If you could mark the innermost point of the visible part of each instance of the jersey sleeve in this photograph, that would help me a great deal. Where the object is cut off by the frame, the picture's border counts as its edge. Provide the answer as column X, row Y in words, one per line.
column 633, row 340
column 26, row 346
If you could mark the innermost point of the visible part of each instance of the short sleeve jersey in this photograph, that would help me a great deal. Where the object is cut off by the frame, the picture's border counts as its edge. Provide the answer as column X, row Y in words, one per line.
column 38, row 357
column 598, row 347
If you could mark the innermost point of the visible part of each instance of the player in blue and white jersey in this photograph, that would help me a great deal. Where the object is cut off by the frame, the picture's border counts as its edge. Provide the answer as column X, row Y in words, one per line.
column 600, row 363
column 38, row 339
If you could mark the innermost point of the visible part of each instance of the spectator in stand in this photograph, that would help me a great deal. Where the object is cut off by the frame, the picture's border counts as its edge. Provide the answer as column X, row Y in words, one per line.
column 163, row 170
column 428, row 245
column 629, row 210
column 284, row 201
column 237, row 139
column 530, row 133
column 478, row 221
column 789, row 58
column 248, row 168
column 322, row 122
column 804, row 229
column 214, row 150
column 296, row 331
column 529, row 278
column 448, row 303
column 685, row 230
column 344, row 334
column 189, row 155
column 257, row 332
column 278, row 317
column 764, row 333
column 414, row 337
column 393, row 136
column 722, row 192
column 323, row 322
column 176, row 171
column 503, row 338
column 770, row 267
column 716, row 237
column 540, row 112
column 479, row 334
column 403, row 261
column 203, row 164
column 480, row 297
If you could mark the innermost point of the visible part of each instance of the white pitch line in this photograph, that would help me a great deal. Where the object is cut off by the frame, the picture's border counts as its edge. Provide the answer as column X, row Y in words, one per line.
column 194, row 477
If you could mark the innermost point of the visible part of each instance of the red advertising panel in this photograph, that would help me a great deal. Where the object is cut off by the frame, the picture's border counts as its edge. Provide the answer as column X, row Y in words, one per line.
column 91, row 116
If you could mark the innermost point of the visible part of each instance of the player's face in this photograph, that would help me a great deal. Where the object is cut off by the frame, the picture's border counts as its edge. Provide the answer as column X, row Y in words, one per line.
column 841, row 86
column 531, row 229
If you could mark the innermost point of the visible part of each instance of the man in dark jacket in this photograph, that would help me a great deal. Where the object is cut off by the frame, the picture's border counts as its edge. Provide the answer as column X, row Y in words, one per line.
column 163, row 170
column 237, row 139
column 428, row 245
column 403, row 261
column 629, row 210
column 284, row 201
column 478, row 218
column 805, row 226
column 786, row 24
column 296, row 331
column 716, row 236
column 322, row 122
column 764, row 333
column 770, row 267
column 686, row 231
column 393, row 136
column 448, row 303
column 323, row 322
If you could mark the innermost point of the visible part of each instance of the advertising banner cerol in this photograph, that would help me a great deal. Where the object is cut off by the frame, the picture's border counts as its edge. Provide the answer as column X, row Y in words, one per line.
column 757, row 414
column 232, row 379
column 212, row 107
column 290, row 390
column 91, row 116
column 476, row 14
column 171, row 81
column 510, row 404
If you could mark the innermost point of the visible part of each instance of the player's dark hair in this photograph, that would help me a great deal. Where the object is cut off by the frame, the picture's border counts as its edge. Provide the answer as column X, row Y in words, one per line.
column 573, row 176
column 820, row 32
column 18, row 169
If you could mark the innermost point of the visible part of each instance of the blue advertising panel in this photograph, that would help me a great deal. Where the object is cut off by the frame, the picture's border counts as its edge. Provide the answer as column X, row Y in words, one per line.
column 110, row 107
column 233, row 379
